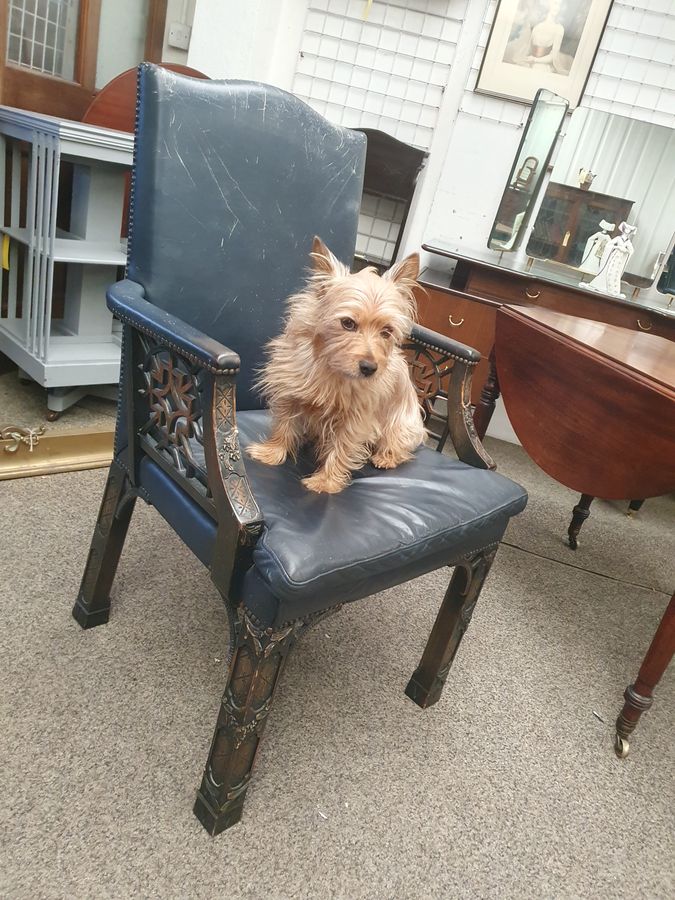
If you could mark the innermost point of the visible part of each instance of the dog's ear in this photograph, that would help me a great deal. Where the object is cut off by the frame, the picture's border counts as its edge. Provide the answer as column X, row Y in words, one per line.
column 323, row 261
column 405, row 273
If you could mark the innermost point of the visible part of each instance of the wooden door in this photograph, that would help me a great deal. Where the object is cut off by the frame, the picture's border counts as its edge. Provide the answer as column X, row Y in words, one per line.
column 48, row 52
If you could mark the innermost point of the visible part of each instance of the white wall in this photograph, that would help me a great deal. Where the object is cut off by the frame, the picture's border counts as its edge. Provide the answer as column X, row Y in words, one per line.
column 182, row 12
column 121, row 38
column 256, row 39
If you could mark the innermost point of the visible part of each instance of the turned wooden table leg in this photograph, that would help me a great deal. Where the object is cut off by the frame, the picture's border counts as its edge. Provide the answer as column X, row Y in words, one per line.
column 579, row 515
column 638, row 696
column 488, row 398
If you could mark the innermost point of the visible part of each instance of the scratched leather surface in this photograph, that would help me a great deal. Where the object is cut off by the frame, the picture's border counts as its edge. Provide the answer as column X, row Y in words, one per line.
column 232, row 181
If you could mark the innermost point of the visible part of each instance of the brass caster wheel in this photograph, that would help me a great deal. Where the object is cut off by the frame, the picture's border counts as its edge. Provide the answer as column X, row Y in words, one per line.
column 53, row 415
column 621, row 747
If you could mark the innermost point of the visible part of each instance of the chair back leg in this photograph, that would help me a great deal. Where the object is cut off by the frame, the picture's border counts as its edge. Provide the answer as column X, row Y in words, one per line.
column 255, row 668
column 426, row 685
column 92, row 606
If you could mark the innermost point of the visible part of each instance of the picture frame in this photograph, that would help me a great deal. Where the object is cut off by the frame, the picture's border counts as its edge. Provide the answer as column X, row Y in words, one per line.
column 537, row 44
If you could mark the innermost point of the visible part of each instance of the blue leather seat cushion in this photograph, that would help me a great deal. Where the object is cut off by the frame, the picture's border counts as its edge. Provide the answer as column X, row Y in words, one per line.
column 317, row 550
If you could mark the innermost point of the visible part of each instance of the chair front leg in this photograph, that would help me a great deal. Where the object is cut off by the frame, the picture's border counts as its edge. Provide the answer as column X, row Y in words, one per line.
column 255, row 667
column 426, row 684
column 92, row 606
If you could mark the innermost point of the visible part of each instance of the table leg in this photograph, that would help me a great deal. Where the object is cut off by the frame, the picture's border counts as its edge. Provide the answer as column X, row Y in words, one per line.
column 488, row 397
column 579, row 515
column 638, row 696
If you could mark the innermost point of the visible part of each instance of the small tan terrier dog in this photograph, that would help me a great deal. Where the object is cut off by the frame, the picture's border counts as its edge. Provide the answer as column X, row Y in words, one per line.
column 336, row 375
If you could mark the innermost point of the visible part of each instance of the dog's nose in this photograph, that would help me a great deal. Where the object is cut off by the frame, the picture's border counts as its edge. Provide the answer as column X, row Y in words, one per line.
column 367, row 367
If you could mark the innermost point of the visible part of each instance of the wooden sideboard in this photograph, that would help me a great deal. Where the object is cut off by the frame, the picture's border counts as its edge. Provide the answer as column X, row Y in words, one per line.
column 464, row 306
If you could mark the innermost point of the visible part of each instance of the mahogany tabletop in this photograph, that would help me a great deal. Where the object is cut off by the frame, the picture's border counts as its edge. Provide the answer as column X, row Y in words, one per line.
column 643, row 353
column 592, row 404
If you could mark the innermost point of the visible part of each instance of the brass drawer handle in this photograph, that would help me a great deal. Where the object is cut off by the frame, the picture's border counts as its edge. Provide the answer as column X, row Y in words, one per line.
column 532, row 296
column 453, row 323
column 642, row 327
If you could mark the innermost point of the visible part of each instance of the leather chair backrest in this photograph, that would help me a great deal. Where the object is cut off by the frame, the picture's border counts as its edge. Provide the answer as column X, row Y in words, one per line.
column 232, row 180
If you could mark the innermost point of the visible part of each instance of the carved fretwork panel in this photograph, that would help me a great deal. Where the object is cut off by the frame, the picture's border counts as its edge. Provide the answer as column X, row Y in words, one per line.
column 430, row 371
column 173, row 388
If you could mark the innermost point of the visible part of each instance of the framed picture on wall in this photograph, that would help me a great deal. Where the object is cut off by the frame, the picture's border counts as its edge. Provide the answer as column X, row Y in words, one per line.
column 537, row 44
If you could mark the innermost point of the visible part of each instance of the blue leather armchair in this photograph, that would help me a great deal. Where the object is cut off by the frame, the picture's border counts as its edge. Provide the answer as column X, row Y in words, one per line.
column 231, row 182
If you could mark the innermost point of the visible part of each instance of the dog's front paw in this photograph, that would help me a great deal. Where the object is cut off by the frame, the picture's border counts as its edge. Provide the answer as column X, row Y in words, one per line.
column 269, row 454
column 321, row 483
column 388, row 459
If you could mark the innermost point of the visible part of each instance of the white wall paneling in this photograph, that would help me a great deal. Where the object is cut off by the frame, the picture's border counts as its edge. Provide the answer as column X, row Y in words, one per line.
column 388, row 71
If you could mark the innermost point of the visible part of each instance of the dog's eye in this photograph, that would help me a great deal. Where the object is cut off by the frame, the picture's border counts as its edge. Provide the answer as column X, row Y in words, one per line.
column 348, row 324
column 386, row 332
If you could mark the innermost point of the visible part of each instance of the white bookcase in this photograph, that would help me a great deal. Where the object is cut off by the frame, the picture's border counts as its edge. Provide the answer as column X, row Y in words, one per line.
column 74, row 349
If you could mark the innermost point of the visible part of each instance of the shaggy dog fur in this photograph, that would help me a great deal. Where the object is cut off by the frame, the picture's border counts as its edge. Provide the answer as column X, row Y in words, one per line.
column 336, row 375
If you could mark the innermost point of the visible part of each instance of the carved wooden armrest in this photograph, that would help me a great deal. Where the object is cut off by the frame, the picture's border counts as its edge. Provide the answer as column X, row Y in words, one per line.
column 187, row 422
column 441, row 367
column 126, row 301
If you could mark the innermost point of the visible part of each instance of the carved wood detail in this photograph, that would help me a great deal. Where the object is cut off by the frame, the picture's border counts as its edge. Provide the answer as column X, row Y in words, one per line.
column 172, row 386
column 254, row 671
column 440, row 374
column 231, row 463
column 453, row 619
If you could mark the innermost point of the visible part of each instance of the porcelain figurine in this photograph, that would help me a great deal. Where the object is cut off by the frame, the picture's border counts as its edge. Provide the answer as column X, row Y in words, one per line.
column 595, row 247
column 613, row 264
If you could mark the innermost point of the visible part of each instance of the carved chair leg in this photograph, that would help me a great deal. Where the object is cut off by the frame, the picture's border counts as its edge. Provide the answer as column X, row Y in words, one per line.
column 426, row 684
column 579, row 515
column 257, row 661
column 638, row 696
column 92, row 606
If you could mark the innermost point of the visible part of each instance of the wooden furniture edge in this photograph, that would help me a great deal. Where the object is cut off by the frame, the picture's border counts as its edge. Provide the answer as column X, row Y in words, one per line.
column 609, row 361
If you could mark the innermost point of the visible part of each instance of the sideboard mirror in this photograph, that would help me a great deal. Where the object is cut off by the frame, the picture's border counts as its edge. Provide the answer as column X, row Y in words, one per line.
column 528, row 170
column 610, row 169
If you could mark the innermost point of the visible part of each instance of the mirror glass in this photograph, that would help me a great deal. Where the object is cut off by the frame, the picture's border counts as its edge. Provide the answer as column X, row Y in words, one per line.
column 528, row 170
column 666, row 282
column 610, row 170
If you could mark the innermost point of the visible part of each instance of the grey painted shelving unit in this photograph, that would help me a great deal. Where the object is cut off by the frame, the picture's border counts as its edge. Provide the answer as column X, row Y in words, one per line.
column 46, row 165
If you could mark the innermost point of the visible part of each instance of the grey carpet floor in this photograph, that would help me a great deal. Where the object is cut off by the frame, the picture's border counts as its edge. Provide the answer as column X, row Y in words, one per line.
column 507, row 788
column 25, row 403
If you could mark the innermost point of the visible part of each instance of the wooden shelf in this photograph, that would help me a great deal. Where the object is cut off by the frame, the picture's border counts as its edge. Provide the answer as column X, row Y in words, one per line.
column 83, row 346
column 74, row 249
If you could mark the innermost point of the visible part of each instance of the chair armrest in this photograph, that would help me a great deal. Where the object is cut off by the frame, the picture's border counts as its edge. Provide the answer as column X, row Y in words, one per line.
column 436, row 360
column 442, row 344
column 188, row 381
column 126, row 301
